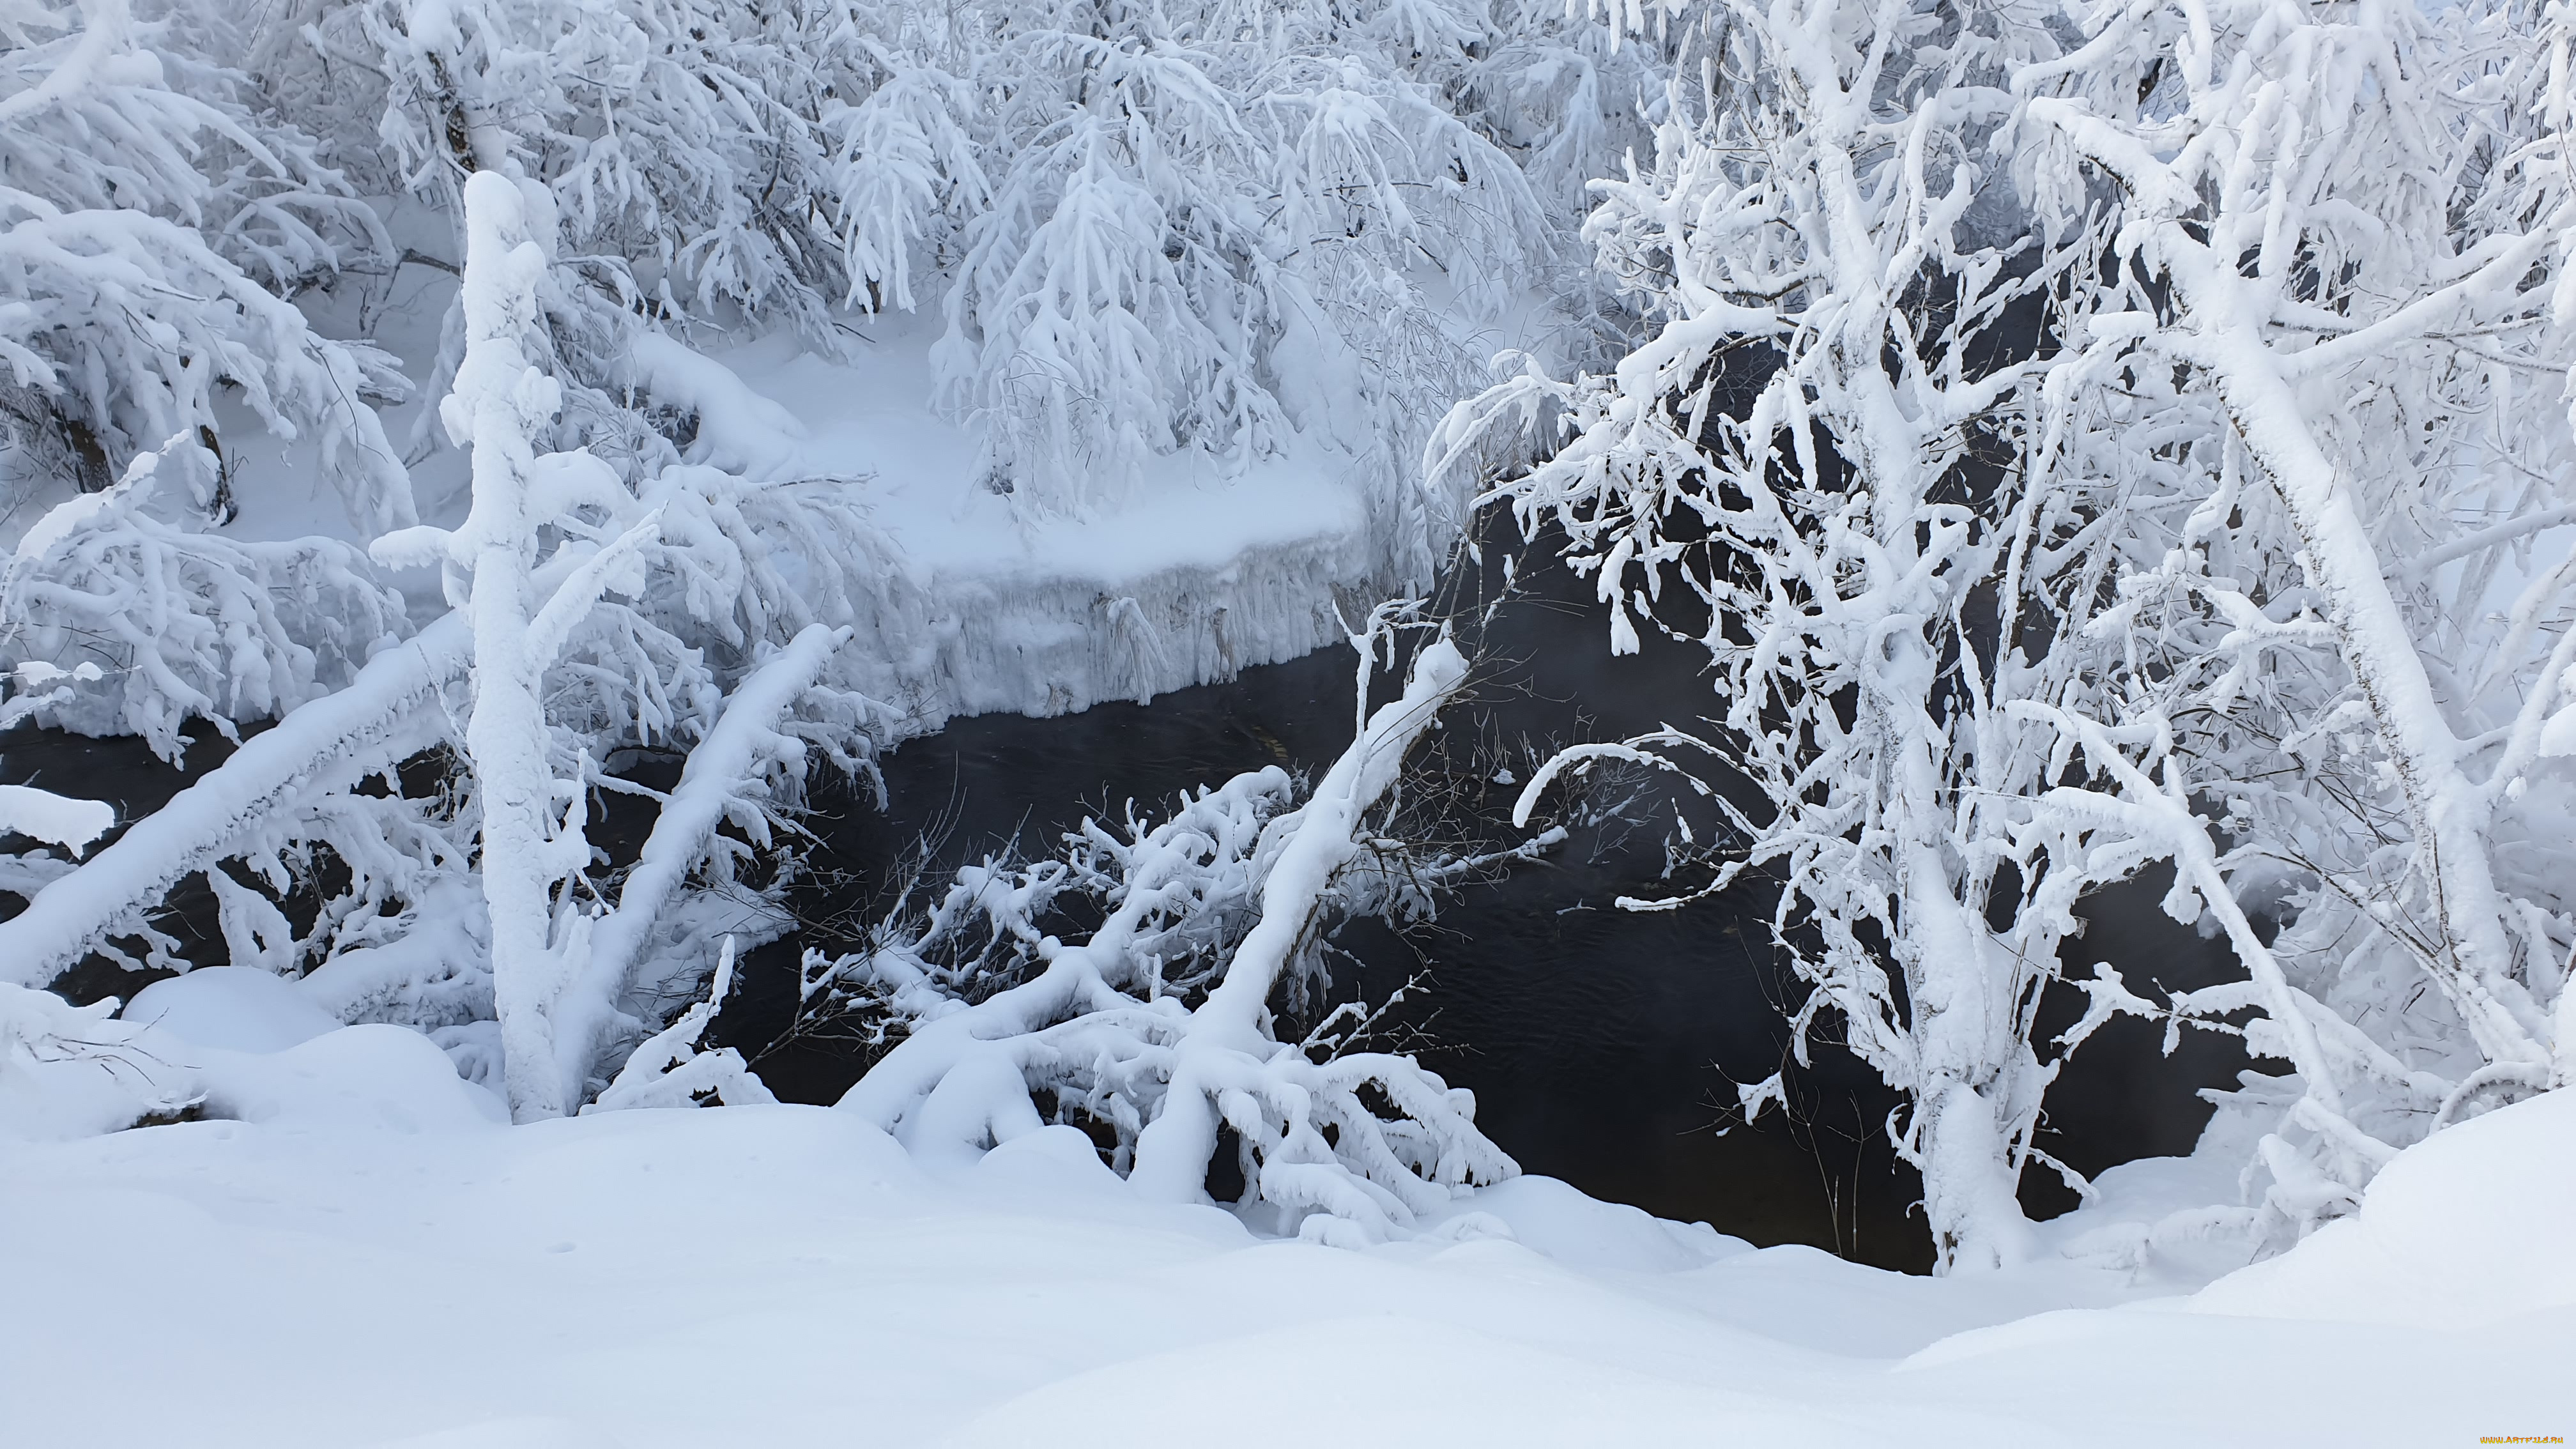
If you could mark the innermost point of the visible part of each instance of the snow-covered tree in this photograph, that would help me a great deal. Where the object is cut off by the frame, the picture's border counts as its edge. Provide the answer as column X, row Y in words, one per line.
column 1205, row 230
column 550, row 535
column 1818, row 450
column 2325, row 356
column 2146, row 447
column 532, row 839
column 174, row 620
column 678, row 146
column 150, row 228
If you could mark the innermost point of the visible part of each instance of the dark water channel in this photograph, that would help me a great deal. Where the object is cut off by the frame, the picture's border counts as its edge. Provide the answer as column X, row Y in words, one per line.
column 1602, row 1044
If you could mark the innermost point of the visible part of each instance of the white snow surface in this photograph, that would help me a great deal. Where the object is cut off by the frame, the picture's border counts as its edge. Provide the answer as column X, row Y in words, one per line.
column 365, row 1254
column 1203, row 568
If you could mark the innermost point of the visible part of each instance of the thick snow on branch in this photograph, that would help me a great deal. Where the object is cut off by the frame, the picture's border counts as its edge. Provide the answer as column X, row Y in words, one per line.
column 721, row 783
column 54, row 819
column 388, row 712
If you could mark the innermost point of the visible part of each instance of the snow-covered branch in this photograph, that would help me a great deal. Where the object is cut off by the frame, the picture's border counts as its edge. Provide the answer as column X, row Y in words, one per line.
column 1232, row 890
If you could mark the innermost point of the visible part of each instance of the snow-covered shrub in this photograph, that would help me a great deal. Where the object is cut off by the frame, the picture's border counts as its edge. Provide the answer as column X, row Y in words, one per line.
column 1158, row 1030
column 149, row 225
column 670, row 1070
column 175, row 619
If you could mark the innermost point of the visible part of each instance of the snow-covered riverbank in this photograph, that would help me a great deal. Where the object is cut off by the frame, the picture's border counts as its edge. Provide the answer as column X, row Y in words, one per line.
column 365, row 1255
column 1200, row 570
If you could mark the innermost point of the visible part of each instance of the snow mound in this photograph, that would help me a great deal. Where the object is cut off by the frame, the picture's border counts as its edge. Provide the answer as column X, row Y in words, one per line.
column 231, row 1008
column 230, row 1043
column 70, row 1072
column 356, row 1078
column 1555, row 1220
column 2466, row 1228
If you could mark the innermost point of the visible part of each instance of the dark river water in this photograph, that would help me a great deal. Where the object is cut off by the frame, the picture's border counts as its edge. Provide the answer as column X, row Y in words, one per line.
column 1602, row 1044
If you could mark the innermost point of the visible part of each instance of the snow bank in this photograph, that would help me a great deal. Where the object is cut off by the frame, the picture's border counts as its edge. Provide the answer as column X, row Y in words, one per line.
column 2473, row 1226
column 1201, row 570
column 384, row 1264
column 356, row 1079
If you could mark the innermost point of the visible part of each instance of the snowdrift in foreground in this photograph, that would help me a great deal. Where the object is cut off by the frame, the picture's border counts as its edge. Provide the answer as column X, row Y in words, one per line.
column 2466, row 1230
column 368, row 1257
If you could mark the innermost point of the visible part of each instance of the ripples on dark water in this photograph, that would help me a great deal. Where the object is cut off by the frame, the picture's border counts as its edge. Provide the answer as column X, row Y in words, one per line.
column 1602, row 1044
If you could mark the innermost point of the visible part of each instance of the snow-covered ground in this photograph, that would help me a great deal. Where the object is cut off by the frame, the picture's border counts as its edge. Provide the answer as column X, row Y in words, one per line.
column 363, row 1254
